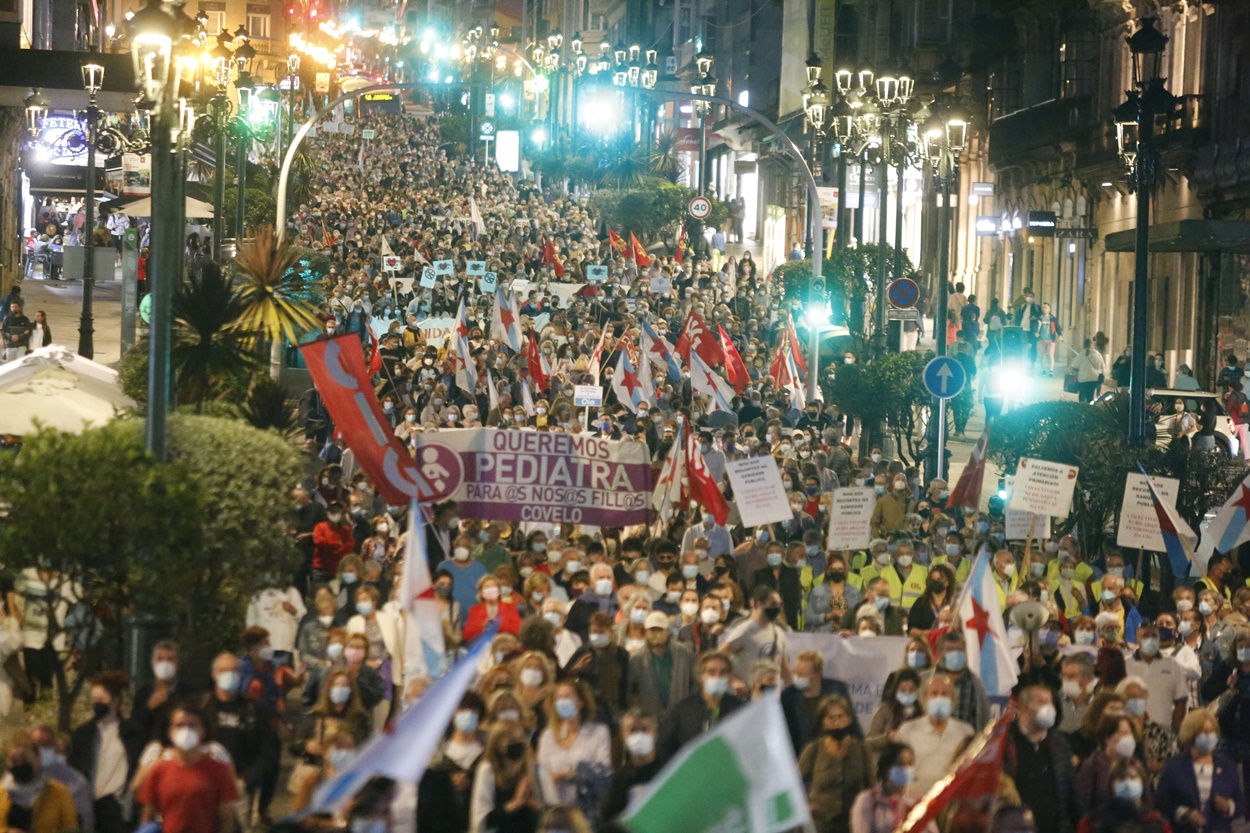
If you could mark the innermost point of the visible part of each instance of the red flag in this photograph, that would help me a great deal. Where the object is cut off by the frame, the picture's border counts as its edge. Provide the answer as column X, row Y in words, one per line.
column 735, row 367
column 703, row 490
column 798, row 350
column 967, row 492
column 974, row 776
column 337, row 366
column 696, row 335
column 534, row 359
column 615, row 241
column 640, row 254
column 789, row 346
column 375, row 357
column 550, row 257
column 681, row 238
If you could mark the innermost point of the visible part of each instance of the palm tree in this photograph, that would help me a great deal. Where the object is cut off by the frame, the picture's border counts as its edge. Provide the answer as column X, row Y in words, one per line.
column 665, row 162
column 629, row 170
column 210, row 354
column 268, row 408
column 279, row 299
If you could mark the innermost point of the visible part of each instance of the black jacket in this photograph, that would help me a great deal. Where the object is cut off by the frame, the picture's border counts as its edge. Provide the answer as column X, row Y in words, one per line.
column 241, row 727
column 153, row 721
column 688, row 719
column 85, row 742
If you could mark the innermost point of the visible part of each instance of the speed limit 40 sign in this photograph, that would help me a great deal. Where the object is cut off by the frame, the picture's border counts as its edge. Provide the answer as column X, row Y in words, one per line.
column 700, row 208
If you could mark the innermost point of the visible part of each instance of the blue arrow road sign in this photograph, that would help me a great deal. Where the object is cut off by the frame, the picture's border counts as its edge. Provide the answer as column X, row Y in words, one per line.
column 944, row 377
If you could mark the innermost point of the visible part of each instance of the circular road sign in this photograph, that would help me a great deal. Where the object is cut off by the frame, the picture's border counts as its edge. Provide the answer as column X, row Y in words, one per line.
column 488, row 128
column 944, row 377
column 700, row 208
column 903, row 293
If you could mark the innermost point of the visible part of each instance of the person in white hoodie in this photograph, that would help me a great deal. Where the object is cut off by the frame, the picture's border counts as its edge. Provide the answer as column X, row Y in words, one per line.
column 279, row 610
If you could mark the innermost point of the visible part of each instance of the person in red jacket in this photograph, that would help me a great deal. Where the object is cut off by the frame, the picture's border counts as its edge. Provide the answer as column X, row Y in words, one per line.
column 489, row 608
column 332, row 539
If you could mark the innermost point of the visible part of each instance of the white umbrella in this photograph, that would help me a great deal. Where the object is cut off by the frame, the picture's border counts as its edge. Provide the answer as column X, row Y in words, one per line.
column 142, row 207
column 56, row 388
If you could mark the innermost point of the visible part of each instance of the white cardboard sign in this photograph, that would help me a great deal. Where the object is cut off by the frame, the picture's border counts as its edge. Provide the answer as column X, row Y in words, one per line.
column 1043, row 487
column 1139, row 523
column 1017, row 525
column 758, row 491
column 850, row 521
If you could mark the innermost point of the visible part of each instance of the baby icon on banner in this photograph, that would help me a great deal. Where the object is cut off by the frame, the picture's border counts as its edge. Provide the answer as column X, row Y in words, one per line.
column 441, row 471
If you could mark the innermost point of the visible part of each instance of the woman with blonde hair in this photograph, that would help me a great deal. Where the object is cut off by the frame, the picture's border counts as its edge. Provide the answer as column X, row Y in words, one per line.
column 505, row 795
column 574, row 755
column 535, row 674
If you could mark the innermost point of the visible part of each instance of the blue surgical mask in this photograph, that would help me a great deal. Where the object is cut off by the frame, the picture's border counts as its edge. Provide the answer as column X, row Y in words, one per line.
column 955, row 660
column 774, row 559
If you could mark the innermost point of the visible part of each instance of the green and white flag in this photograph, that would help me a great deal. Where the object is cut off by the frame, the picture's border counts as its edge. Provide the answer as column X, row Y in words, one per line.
column 741, row 777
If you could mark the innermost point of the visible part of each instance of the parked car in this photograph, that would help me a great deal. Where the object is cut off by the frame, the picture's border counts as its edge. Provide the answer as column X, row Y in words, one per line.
column 1161, row 413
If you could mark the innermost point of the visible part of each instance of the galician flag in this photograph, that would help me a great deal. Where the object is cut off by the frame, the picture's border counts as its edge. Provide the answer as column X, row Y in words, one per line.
column 739, row 776
column 416, row 597
column 1230, row 527
column 704, row 380
column 985, row 635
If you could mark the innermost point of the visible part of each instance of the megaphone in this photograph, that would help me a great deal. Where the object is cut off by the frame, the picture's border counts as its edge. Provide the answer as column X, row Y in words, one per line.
column 1029, row 617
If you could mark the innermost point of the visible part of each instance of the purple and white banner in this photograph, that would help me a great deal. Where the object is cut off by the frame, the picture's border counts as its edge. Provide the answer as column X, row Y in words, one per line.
column 536, row 476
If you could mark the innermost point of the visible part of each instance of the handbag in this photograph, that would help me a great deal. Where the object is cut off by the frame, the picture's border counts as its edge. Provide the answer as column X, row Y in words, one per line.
column 18, row 679
column 1069, row 381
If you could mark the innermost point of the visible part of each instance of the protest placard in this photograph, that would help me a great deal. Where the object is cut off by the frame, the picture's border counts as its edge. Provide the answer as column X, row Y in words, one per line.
column 850, row 522
column 1139, row 522
column 1043, row 487
column 758, row 491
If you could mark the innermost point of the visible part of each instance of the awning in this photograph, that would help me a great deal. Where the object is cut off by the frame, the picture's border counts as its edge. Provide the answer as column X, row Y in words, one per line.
column 1231, row 236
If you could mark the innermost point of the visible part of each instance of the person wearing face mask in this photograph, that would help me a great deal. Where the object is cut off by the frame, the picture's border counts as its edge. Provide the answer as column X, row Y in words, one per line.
column 440, row 536
column 1219, row 567
column 445, row 790
column 1198, row 789
column 908, row 580
column 189, row 789
column 1173, row 630
column 278, row 609
column 882, row 808
column 1077, row 682
column 900, row 703
column 935, row 737
column 52, row 758
column 971, row 704
column 240, row 726
column 1127, row 807
column 1113, row 602
column 489, row 607
column 332, row 540
column 1116, row 742
column 603, row 665
column 782, row 574
column 1165, row 679
column 638, row 736
column 489, row 552
column 1070, row 593
column 700, row 711
column 315, row 628
column 835, row 766
column 1115, row 567
column 506, row 788
column 1232, row 673
column 802, row 699
column 1039, row 760
column 832, row 597
column 1006, row 577
column 600, row 597
column 154, row 700
column 466, row 574
column 106, row 751
column 565, row 643
column 876, row 603
column 719, row 541
column 759, row 636
column 892, row 506
column 663, row 673
column 574, row 755
column 32, row 801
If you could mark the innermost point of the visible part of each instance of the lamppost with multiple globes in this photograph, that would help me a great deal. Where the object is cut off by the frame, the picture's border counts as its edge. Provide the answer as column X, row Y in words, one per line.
column 705, row 85
column 157, row 37
column 92, row 82
column 1134, row 121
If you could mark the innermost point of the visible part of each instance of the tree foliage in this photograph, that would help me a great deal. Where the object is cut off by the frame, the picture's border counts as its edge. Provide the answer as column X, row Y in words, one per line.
column 210, row 356
column 109, row 522
column 1093, row 437
column 890, row 391
column 648, row 211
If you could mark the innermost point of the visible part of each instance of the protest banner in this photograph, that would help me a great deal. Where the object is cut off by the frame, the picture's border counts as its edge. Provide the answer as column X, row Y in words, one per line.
column 661, row 286
column 596, row 272
column 536, row 476
column 1020, row 526
column 863, row 663
column 1139, row 522
column 1043, row 488
column 850, row 522
column 489, row 281
column 437, row 330
column 427, row 278
column 475, row 268
column 758, row 491
column 444, row 267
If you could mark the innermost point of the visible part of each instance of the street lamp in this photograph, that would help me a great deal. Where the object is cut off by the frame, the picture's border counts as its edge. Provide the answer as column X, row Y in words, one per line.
column 1134, row 120
column 154, row 35
column 705, row 85
column 36, row 108
column 92, row 82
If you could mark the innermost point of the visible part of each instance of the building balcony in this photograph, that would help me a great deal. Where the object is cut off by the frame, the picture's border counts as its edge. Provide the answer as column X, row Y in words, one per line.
column 1040, row 131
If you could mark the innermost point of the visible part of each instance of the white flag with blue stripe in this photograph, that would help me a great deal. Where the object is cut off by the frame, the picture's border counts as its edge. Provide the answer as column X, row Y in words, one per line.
column 403, row 751
column 985, row 634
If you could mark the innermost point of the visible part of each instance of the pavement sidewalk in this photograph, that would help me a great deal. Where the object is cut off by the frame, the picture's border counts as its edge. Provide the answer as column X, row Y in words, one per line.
column 61, row 301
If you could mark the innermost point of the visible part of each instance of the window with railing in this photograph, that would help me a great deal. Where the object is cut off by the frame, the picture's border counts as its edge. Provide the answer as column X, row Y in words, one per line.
column 258, row 26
